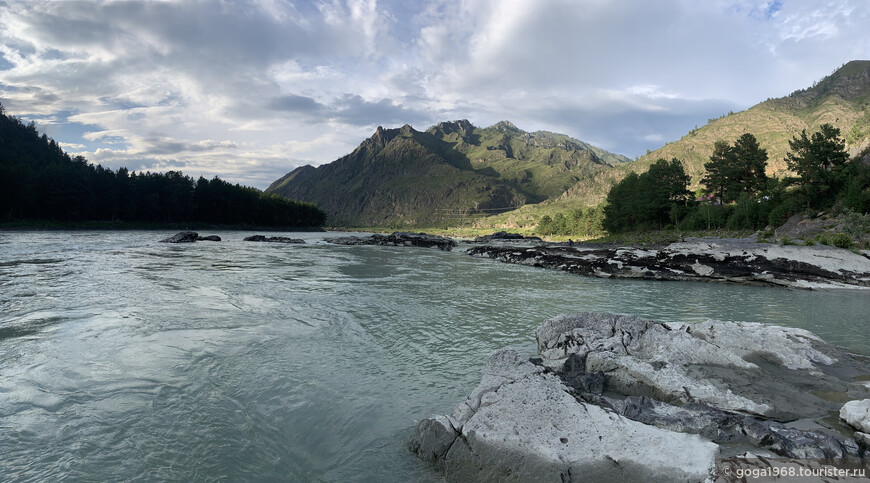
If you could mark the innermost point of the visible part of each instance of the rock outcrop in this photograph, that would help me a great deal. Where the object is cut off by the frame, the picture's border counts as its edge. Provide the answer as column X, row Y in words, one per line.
column 398, row 239
column 734, row 261
column 857, row 414
column 189, row 237
column 503, row 236
column 272, row 239
column 522, row 424
column 616, row 398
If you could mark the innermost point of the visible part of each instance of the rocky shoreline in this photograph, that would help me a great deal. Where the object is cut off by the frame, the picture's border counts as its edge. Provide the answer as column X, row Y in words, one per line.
column 620, row 398
column 740, row 261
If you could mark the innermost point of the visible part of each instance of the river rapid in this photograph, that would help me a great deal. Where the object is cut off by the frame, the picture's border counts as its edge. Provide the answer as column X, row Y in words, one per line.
column 122, row 358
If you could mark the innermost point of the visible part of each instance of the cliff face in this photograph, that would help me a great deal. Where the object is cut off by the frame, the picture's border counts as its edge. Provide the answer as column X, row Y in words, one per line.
column 407, row 177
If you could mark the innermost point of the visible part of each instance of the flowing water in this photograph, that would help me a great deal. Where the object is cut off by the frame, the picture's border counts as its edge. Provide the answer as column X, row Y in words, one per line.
column 122, row 358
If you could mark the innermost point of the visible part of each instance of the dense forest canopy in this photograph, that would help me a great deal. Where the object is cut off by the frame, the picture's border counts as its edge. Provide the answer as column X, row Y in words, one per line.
column 39, row 181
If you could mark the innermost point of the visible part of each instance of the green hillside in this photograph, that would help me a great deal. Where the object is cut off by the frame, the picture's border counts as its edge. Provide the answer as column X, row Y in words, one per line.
column 841, row 99
column 453, row 170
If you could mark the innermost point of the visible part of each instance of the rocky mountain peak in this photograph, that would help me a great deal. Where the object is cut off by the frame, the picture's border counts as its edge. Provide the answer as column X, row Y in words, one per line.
column 506, row 127
column 382, row 136
column 850, row 81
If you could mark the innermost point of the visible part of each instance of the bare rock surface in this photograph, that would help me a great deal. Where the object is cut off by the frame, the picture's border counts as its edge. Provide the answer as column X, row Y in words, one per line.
column 398, row 239
column 521, row 424
column 744, row 367
column 716, row 260
column 621, row 398
column 857, row 414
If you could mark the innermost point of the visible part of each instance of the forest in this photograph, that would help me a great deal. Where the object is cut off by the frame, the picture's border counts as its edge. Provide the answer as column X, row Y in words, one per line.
column 736, row 193
column 39, row 181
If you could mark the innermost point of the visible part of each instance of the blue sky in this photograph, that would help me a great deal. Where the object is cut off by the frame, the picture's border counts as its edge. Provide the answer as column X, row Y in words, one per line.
column 249, row 90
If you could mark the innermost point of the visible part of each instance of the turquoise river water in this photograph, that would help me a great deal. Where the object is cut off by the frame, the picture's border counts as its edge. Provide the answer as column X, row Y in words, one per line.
column 126, row 359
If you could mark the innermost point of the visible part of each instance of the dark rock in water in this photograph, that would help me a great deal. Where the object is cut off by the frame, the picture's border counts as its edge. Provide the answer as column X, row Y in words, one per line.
column 208, row 238
column 398, row 239
column 182, row 237
column 505, row 236
column 273, row 239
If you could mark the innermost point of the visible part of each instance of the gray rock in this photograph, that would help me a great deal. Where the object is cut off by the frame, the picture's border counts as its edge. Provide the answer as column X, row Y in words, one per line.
column 574, row 375
column 398, row 239
column 620, row 398
column 732, row 366
column 208, row 238
column 733, row 261
column 272, row 239
column 432, row 438
column 722, row 427
column 182, row 237
column 857, row 414
column 521, row 424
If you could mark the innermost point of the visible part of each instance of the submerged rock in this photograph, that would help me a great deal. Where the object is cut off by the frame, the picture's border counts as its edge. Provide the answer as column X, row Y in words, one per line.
column 182, row 237
column 398, row 239
column 208, row 238
column 615, row 398
column 272, row 239
column 735, row 261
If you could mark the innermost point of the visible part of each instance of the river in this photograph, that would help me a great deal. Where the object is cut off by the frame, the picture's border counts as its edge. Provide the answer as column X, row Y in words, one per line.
column 122, row 358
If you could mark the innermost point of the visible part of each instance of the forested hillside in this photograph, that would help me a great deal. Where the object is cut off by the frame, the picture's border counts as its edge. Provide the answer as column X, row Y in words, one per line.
column 39, row 181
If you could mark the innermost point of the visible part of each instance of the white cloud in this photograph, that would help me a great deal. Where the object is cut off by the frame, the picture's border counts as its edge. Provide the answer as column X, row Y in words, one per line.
column 249, row 90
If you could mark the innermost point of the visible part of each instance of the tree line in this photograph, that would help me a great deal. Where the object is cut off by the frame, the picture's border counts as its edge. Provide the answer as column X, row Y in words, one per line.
column 737, row 194
column 39, row 181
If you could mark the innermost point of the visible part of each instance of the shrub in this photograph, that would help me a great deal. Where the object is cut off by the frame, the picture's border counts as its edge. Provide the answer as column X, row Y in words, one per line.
column 841, row 240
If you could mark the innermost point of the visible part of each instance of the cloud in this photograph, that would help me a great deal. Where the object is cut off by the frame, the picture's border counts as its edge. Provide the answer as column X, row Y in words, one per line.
column 251, row 89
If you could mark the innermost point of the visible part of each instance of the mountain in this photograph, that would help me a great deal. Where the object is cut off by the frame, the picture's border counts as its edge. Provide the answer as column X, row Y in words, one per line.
column 841, row 99
column 453, row 169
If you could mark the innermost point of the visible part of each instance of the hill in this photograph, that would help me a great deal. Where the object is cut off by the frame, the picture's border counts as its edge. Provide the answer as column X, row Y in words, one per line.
column 841, row 99
column 40, row 182
column 405, row 177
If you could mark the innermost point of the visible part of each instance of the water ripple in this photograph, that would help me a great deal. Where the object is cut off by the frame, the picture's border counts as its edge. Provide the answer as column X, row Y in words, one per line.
column 126, row 359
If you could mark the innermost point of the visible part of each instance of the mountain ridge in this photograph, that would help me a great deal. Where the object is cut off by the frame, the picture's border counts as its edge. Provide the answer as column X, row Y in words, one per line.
column 401, row 176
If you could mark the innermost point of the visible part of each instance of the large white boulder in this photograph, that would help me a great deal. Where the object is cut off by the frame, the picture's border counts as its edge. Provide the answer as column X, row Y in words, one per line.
column 857, row 414
column 521, row 424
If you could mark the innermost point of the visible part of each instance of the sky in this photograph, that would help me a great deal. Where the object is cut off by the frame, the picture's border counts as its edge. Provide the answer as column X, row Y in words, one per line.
column 250, row 90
